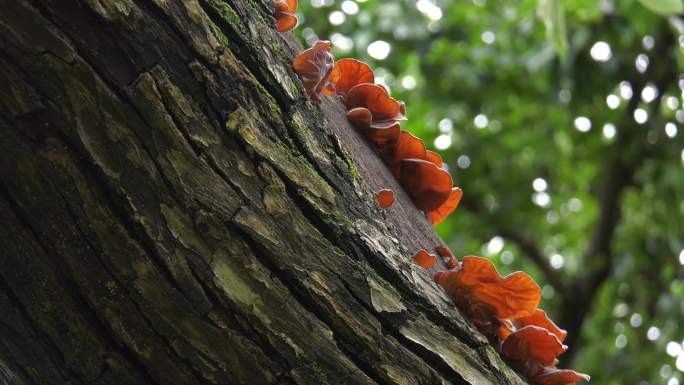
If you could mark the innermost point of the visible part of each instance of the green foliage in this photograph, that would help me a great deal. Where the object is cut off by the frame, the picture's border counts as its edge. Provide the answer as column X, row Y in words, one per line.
column 664, row 7
column 482, row 81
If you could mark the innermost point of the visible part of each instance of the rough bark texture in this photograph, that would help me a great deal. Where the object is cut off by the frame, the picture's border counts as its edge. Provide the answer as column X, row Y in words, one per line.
column 174, row 211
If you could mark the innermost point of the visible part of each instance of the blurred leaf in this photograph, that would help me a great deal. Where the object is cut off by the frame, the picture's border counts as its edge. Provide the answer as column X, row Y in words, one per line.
column 552, row 14
column 664, row 7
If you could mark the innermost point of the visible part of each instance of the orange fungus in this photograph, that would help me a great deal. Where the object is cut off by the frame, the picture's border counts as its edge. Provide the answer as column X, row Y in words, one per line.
column 433, row 157
column 284, row 15
column 347, row 74
column 503, row 308
column 375, row 98
column 383, row 138
column 539, row 318
column 531, row 349
column 428, row 185
column 408, row 146
column 554, row 376
column 385, row 198
column 437, row 215
column 313, row 66
column 425, row 259
column 513, row 296
column 360, row 117
column 447, row 256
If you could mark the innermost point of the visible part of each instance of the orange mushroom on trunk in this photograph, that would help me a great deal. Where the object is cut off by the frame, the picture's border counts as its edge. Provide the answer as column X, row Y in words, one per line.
column 485, row 296
column 539, row 318
column 434, row 158
column 425, row 259
column 375, row 98
column 555, row 376
column 385, row 198
column 513, row 296
column 531, row 349
column 407, row 146
column 284, row 15
column 428, row 185
column 360, row 117
column 347, row 74
column 439, row 214
column 383, row 138
column 313, row 66
column 447, row 256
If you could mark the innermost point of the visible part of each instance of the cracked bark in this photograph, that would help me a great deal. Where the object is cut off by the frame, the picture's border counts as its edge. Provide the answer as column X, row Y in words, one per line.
column 174, row 211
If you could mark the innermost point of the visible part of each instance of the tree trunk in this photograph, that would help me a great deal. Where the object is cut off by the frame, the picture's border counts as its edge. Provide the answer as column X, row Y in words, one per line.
column 174, row 211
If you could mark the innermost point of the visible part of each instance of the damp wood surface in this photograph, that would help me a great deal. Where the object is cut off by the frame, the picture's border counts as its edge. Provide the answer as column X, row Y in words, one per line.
column 175, row 211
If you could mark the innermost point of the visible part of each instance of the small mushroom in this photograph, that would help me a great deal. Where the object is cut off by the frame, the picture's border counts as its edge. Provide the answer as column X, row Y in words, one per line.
column 285, row 15
column 313, row 66
column 385, row 198
column 425, row 259
column 407, row 146
column 447, row 256
column 437, row 215
column 360, row 117
column 539, row 318
column 531, row 349
column 428, row 185
column 554, row 376
column 347, row 74
column 375, row 98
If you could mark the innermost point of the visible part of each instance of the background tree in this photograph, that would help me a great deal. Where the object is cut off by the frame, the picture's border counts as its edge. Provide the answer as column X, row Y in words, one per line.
column 571, row 169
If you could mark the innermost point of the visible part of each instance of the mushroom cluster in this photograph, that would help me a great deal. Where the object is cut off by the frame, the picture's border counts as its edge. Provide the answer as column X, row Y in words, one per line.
column 505, row 309
column 377, row 116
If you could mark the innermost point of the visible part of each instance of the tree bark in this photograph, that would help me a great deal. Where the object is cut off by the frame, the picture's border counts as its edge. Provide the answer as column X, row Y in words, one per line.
column 174, row 211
